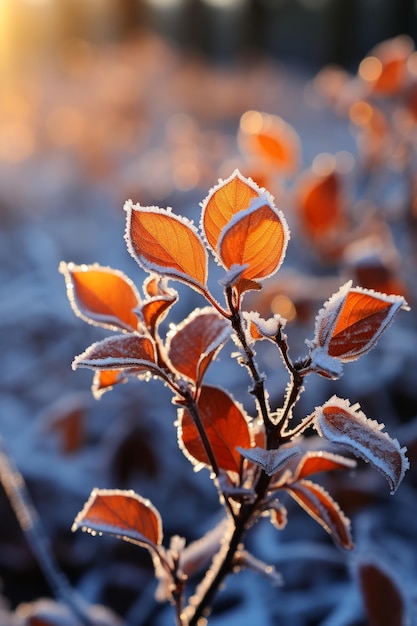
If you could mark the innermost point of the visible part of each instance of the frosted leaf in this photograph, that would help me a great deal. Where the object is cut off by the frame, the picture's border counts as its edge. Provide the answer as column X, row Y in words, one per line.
column 270, row 460
column 347, row 425
column 233, row 275
column 325, row 365
column 259, row 328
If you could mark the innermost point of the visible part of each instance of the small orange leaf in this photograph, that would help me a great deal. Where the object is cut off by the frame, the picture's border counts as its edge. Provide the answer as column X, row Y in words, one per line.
column 271, row 139
column 346, row 425
column 121, row 352
column 104, row 380
column 154, row 310
column 121, row 513
column 256, row 237
column 167, row 244
column 385, row 69
column 223, row 201
column 318, row 503
column 193, row 345
column 101, row 295
column 320, row 203
column 314, row 462
column 225, row 425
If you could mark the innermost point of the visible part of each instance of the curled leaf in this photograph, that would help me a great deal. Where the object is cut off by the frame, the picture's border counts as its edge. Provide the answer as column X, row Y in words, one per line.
column 346, row 425
column 194, row 343
column 104, row 380
column 101, row 296
column 167, row 244
column 123, row 514
column 320, row 505
column 271, row 461
column 226, row 428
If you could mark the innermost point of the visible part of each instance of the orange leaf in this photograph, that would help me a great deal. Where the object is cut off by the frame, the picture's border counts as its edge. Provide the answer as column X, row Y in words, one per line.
column 167, row 244
column 101, row 296
column 256, row 237
column 314, row 462
column 346, row 425
column 104, row 380
column 193, row 345
column 223, row 201
column 385, row 69
column 319, row 201
column 121, row 513
column 318, row 503
column 270, row 138
column 153, row 311
column 225, row 425
column 119, row 353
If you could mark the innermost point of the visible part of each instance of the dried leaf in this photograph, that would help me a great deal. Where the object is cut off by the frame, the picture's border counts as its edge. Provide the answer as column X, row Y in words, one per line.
column 167, row 244
column 194, row 343
column 123, row 514
column 223, row 201
column 271, row 461
column 346, row 425
column 256, row 237
column 101, row 296
column 319, row 504
column 226, row 427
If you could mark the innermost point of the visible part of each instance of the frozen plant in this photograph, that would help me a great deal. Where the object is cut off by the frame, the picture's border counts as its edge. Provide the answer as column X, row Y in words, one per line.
column 251, row 459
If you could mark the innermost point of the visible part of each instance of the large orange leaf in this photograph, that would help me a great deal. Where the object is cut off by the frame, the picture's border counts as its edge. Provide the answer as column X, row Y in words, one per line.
column 225, row 425
column 192, row 345
column 101, row 295
column 167, row 244
column 121, row 513
column 256, row 237
column 271, row 139
column 223, row 201
column 346, row 425
column 319, row 504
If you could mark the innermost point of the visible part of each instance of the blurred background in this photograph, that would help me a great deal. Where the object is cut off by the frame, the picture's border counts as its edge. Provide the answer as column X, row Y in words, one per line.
column 154, row 100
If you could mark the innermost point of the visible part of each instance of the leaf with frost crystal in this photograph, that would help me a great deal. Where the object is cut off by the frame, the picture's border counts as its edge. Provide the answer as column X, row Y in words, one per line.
column 349, row 325
column 222, row 202
column 167, row 244
column 226, row 428
column 123, row 352
column 271, row 461
column 194, row 343
column 258, row 328
column 101, row 296
column 104, row 380
column 346, row 425
column 315, row 462
column 256, row 237
column 123, row 514
column 320, row 506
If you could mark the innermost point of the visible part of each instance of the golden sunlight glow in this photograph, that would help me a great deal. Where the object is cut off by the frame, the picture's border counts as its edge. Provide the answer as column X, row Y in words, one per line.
column 251, row 122
column 323, row 164
column 284, row 306
column 360, row 113
column 370, row 69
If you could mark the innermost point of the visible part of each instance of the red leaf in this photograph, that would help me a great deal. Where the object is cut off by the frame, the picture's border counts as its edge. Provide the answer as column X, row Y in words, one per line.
column 121, row 513
column 193, row 345
column 318, row 503
column 384, row 602
column 119, row 353
column 314, row 462
column 101, row 296
column 346, row 425
column 167, row 244
column 320, row 204
column 225, row 425
column 270, row 138
column 385, row 69
column 223, row 201
column 256, row 237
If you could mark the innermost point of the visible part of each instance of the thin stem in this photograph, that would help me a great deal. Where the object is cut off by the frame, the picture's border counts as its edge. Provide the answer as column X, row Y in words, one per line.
column 15, row 488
